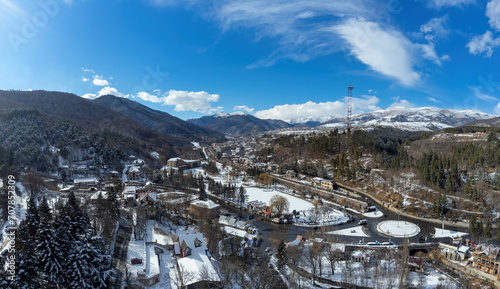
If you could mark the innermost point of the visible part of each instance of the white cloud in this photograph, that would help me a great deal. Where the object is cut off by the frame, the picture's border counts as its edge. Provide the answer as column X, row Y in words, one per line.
column 88, row 70
column 105, row 91
column 99, row 81
column 149, row 97
column 482, row 96
column 112, row 91
column 429, row 53
column 89, row 96
column 298, row 25
column 289, row 112
column 432, row 99
column 387, row 52
column 483, row 44
column 435, row 27
column 401, row 103
column 449, row 3
column 84, row 79
column 497, row 108
column 432, row 30
column 243, row 108
column 190, row 100
column 493, row 13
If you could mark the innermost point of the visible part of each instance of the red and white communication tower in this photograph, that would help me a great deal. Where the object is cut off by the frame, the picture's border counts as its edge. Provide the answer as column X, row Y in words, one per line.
column 349, row 107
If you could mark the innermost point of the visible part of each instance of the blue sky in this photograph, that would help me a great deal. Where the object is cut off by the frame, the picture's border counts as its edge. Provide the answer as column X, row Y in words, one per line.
column 277, row 59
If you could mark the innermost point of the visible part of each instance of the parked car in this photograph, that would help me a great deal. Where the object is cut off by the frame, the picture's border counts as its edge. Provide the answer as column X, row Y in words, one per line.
column 268, row 249
column 136, row 261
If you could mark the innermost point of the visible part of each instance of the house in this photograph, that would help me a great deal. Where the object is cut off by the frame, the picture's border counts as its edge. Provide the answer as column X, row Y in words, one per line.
column 147, row 198
column 416, row 263
column 129, row 193
column 195, row 265
column 204, row 209
column 359, row 256
column 134, row 174
column 86, row 185
column 485, row 258
column 455, row 250
column 176, row 163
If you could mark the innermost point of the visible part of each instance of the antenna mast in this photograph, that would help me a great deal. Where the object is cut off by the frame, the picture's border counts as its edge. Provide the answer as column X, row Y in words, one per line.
column 349, row 108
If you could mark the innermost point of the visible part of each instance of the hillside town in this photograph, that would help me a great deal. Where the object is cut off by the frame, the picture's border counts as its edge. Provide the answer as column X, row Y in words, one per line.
column 196, row 223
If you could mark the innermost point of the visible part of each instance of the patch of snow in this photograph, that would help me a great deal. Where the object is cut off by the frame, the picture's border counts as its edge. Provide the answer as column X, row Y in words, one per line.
column 398, row 229
column 440, row 233
column 351, row 232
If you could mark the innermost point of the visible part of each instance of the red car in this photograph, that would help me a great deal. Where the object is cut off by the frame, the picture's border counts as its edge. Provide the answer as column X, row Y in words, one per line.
column 136, row 261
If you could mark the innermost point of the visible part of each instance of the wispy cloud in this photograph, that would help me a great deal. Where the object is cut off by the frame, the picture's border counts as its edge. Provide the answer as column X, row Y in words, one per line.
column 482, row 96
column 431, row 31
column 483, row 44
column 401, row 104
column 432, row 99
column 386, row 51
column 493, row 13
column 438, row 4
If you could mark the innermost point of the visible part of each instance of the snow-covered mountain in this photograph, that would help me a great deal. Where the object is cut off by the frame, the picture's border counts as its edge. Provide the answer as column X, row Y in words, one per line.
column 412, row 119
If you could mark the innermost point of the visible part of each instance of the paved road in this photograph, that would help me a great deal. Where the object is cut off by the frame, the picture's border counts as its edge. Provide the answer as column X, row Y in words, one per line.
column 120, row 253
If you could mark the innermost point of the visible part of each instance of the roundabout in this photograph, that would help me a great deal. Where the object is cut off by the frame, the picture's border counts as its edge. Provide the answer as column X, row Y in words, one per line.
column 398, row 229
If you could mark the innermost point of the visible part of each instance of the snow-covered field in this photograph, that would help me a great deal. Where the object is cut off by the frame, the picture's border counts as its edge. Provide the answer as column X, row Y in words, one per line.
column 264, row 195
column 440, row 233
column 352, row 232
column 398, row 229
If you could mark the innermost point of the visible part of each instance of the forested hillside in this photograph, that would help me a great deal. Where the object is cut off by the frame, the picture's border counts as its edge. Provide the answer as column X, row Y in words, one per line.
column 443, row 173
column 31, row 140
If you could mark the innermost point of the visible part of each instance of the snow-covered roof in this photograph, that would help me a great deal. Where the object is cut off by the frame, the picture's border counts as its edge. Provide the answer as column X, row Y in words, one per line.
column 190, row 238
column 196, row 268
column 144, row 195
column 235, row 232
column 129, row 190
column 133, row 169
column 240, row 224
column 463, row 249
column 174, row 159
column 86, row 180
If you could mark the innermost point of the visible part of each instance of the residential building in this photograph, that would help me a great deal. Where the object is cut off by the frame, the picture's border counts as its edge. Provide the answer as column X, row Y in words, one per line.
column 485, row 258
column 195, row 265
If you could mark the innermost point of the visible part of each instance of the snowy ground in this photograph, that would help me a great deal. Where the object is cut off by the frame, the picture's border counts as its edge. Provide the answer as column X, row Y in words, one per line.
column 376, row 214
column 398, row 229
column 375, row 273
column 352, row 232
column 264, row 195
column 440, row 233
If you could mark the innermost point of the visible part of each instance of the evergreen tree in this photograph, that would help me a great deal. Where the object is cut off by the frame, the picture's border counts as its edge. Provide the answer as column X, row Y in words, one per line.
column 487, row 230
column 49, row 253
column 472, row 225
column 84, row 263
column 203, row 193
column 242, row 195
column 26, row 258
column 281, row 254
column 32, row 218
